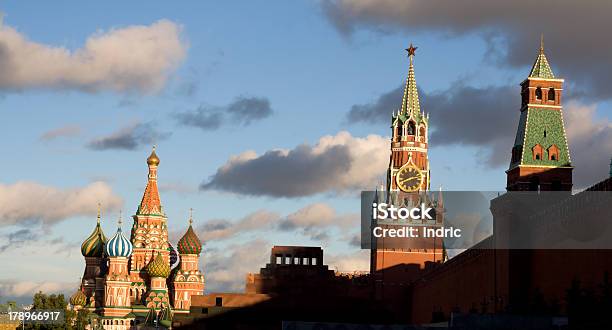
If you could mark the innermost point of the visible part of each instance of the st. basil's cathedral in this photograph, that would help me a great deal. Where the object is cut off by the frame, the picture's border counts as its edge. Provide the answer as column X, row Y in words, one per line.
column 143, row 278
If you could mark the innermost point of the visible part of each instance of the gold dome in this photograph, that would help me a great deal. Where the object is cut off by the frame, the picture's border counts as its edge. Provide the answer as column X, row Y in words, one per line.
column 153, row 159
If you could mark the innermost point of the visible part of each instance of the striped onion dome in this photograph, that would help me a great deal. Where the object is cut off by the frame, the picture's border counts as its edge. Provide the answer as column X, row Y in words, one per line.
column 158, row 267
column 93, row 246
column 78, row 298
column 119, row 246
column 190, row 243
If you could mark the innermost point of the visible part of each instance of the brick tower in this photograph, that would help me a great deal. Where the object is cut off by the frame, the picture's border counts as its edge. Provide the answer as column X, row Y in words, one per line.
column 117, row 302
column 408, row 178
column 149, row 233
column 188, row 281
column 540, row 155
column 409, row 140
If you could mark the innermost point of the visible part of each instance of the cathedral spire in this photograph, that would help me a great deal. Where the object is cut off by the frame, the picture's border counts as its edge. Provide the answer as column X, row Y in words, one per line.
column 410, row 102
column 151, row 204
column 541, row 68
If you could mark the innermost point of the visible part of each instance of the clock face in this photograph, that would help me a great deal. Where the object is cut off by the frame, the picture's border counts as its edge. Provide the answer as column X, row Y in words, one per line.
column 409, row 178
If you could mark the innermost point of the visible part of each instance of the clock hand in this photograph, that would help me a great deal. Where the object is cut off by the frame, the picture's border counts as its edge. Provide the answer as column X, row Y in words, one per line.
column 410, row 178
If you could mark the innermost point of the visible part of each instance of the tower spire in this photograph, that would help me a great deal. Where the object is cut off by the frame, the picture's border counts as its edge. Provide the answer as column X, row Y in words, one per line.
column 98, row 217
column 190, row 216
column 541, row 68
column 410, row 102
column 151, row 204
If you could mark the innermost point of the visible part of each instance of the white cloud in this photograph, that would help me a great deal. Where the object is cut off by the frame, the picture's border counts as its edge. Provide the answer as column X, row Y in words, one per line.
column 64, row 131
column 226, row 268
column 23, row 201
column 220, row 229
column 13, row 289
column 349, row 262
column 338, row 163
column 136, row 58
column 590, row 141
column 318, row 220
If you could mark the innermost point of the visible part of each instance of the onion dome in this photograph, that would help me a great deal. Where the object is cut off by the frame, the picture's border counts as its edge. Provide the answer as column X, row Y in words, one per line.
column 93, row 246
column 153, row 159
column 158, row 267
column 78, row 298
column 119, row 246
column 190, row 243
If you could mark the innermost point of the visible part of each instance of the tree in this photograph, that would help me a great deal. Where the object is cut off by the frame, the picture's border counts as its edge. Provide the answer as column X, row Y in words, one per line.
column 42, row 301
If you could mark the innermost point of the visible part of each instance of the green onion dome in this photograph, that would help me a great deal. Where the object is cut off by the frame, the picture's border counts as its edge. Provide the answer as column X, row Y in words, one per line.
column 190, row 243
column 158, row 267
column 78, row 299
column 93, row 246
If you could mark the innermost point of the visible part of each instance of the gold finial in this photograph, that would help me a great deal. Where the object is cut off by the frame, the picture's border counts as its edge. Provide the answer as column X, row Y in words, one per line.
column 99, row 207
column 120, row 218
column 153, row 159
column 411, row 50
column 190, row 216
column 541, row 43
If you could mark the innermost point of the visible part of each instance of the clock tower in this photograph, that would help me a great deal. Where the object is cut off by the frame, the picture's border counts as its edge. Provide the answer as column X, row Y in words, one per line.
column 396, row 263
column 409, row 166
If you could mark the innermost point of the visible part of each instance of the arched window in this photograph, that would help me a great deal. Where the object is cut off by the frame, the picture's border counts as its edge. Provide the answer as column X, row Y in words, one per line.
column 537, row 156
column 422, row 131
column 411, row 128
column 398, row 132
column 551, row 94
column 538, row 93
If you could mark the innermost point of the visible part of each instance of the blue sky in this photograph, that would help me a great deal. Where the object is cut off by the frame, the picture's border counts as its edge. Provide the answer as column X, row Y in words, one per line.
column 291, row 54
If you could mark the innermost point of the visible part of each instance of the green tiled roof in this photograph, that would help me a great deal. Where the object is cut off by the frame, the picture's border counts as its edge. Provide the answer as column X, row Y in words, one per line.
column 410, row 101
column 541, row 68
column 545, row 127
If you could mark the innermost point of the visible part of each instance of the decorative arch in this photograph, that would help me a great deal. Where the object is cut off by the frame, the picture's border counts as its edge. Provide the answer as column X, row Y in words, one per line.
column 411, row 128
column 551, row 94
column 538, row 93
column 399, row 130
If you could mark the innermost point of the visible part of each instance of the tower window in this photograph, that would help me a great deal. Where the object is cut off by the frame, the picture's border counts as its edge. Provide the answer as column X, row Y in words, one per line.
column 551, row 94
column 399, row 131
column 422, row 131
column 544, row 133
column 538, row 93
column 411, row 128
column 553, row 152
column 537, row 151
column 218, row 301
